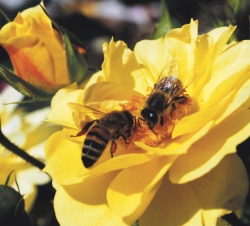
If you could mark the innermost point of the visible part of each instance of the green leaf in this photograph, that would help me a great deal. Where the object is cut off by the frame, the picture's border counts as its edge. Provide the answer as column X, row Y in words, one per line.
column 24, row 87
column 165, row 24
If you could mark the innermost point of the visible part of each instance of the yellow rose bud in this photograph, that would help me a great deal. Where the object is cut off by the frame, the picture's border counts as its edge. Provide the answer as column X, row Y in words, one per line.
column 39, row 53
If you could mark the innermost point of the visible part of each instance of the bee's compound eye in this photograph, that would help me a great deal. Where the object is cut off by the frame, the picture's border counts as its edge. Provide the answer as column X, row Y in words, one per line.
column 111, row 121
column 150, row 116
column 122, row 124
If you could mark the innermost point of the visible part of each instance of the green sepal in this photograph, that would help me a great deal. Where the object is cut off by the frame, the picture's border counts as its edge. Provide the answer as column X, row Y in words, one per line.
column 24, row 87
column 4, row 15
column 8, row 178
column 77, row 64
column 165, row 24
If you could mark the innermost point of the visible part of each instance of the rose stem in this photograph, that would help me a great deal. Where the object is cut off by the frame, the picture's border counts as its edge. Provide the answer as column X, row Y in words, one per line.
column 233, row 220
column 18, row 151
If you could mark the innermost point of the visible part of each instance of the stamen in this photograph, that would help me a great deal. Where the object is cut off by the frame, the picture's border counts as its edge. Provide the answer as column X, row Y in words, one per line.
column 160, row 132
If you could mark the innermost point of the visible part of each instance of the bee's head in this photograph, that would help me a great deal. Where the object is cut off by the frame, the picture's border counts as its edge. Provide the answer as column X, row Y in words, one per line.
column 150, row 116
column 156, row 101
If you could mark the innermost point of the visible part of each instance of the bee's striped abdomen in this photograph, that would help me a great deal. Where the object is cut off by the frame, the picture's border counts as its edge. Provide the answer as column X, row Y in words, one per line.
column 94, row 145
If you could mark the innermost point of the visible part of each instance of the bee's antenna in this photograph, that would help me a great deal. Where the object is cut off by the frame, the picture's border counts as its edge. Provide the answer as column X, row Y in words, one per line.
column 134, row 122
column 139, row 121
column 153, row 131
column 95, row 109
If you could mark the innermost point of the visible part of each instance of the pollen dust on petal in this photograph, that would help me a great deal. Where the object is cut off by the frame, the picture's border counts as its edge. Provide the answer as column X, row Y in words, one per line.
column 142, row 133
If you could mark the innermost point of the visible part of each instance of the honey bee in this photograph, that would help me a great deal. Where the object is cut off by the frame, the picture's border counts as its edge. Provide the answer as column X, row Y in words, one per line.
column 111, row 126
column 167, row 94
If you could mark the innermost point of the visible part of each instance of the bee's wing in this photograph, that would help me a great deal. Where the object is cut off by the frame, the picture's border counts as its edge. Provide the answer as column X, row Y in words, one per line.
column 171, row 77
column 87, row 110
column 171, row 68
column 187, row 76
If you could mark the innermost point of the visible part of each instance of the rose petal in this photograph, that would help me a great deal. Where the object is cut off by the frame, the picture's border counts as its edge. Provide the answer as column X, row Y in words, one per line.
column 181, row 43
column 209, row 48
column 209, row 150
column 147, row 53
column 118, row 92
column 197, row 120
column 63, row 155
column 59, row 104
column 202, row 201
column 224, row 101
column 224, row 78
column 131, row 192
column 85, row 203
column 106, row 163
column 38, row 14
column 116, row 56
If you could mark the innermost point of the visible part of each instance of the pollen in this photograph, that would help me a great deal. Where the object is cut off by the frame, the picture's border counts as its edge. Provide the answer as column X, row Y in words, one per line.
column 154, row 137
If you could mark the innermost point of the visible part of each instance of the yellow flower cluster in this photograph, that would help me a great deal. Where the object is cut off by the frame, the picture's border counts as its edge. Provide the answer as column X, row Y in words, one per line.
column 27, row 132
column 193, row 175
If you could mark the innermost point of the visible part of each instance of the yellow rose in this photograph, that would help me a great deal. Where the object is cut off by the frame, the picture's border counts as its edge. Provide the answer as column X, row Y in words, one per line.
column 37, row 51
column 192, row 176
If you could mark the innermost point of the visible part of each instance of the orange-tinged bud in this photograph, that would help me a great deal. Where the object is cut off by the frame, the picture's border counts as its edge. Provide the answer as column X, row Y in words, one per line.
column 42, row 57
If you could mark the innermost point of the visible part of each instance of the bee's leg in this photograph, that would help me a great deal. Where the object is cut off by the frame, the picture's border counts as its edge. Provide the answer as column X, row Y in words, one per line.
column 153, row 131
column 178, row 100
column 173, row 109
column 135, row 123
column 173, row 106
column 85, row 128
column 161, row 121
column 124, row 138
column 181, row 99
column 144, row 121
column 139, row 121
column 113, row 147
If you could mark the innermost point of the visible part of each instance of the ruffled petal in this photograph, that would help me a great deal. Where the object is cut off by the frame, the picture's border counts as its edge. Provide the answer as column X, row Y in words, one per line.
column 37, row 13
column 232, row 91
column 209, row 49
column 104, row 91
column 181, row 43
column 147, row 53
column 224, row 79
column 206, row 153
column 85, row 203
column 59, row 104
column 106, row 164
column 130, row 192
column 202, row 201
column 116, row 56
column 63, row 155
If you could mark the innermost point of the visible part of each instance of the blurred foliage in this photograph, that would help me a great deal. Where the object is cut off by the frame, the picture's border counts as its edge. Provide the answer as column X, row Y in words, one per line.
column 211, row 14
column 237, row 13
